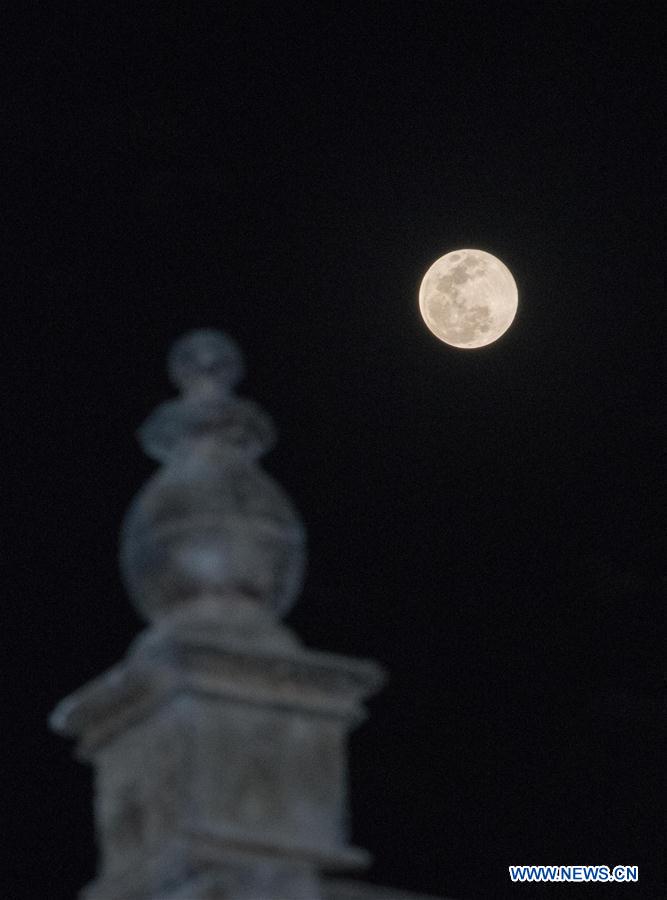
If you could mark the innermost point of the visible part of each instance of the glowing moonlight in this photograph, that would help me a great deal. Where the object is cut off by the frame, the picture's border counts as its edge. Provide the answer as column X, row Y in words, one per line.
column 468, row 298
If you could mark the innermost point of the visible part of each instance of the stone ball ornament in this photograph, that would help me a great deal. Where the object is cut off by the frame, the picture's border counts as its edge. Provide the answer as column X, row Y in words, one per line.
column 205, row 360
column 210, row 524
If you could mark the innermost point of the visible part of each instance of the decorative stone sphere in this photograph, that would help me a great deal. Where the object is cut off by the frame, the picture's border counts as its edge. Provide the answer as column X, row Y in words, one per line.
column 210, row 523
column 205, row 359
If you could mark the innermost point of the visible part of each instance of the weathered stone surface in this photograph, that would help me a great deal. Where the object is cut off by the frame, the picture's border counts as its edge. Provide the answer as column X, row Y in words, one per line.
column 210, row 736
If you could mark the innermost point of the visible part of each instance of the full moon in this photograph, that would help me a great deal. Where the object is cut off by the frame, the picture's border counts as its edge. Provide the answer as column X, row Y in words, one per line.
column 468, row 298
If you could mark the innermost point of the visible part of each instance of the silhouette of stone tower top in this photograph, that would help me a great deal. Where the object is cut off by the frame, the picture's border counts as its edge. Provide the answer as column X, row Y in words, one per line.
column 210, row 527
column 219, row 742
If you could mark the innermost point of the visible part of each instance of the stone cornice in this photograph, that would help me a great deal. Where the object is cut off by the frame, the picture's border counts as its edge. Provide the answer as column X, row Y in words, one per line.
column 161, row 667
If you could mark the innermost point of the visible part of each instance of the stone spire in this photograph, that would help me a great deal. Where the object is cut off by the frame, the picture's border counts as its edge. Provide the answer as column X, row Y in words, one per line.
column 219, row 742
column 210, row 524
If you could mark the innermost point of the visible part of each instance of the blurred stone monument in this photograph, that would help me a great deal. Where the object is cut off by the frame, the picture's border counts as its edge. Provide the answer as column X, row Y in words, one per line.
column 219, row 742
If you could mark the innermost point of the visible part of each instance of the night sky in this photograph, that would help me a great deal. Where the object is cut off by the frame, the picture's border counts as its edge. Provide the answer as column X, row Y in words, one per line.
column 485, row 523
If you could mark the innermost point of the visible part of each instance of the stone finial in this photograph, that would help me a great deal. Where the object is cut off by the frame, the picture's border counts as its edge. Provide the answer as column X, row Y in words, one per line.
column 205, row 359
column 210, row 525
column 219, row 742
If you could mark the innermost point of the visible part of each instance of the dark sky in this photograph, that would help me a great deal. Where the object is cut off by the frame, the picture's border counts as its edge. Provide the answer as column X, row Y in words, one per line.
column 485, row 523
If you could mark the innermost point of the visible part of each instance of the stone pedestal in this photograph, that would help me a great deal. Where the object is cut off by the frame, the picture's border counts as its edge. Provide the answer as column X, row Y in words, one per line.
column 219, row 748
